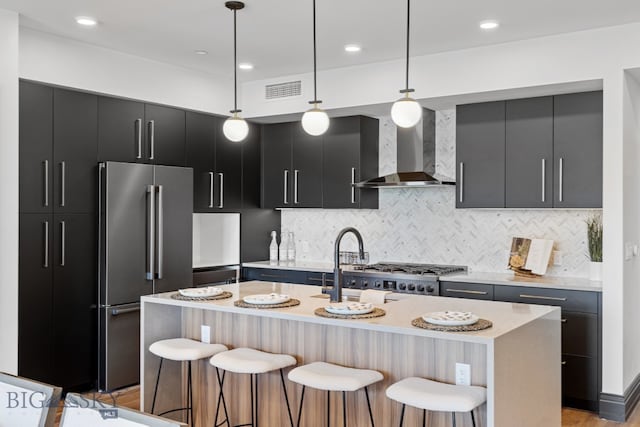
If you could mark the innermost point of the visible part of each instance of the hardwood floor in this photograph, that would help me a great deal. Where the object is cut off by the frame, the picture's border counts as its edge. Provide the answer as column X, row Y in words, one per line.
column 130, row 398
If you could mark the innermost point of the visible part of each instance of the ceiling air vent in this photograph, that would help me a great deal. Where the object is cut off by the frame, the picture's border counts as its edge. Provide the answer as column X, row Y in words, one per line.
column 283, row 90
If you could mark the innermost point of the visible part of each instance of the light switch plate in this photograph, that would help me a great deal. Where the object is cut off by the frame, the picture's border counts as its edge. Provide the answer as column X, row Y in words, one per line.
column 205, row 334
column 463, row 374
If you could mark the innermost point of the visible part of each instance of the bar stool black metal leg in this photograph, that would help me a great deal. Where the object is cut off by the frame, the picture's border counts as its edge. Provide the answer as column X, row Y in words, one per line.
column 344, row 409
column 453, row 418
column 221, row 399
column 402, row 415
column 190, row 396
column 473, row 419
column 366, row 393
column 286, row 397
column 328, row 408
column 424, row 418
column 257, row 401
column 300, row 410
column 155, row 392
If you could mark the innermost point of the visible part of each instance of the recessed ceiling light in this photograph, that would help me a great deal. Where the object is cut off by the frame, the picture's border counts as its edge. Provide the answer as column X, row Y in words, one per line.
column 200, row 52
column 245, row 66
column 489, row 25
column 352, row 48
column 86, row 21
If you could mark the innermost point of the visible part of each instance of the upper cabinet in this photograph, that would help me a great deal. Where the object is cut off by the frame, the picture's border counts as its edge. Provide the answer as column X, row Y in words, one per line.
column 58, row 147
column 226, row 174
column 531, row 153
column 577, row 146
column 304, row 171
column 480, row 145
column 131, row 131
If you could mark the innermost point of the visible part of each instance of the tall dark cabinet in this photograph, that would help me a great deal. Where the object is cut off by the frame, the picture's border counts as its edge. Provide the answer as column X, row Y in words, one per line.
column 57, row 256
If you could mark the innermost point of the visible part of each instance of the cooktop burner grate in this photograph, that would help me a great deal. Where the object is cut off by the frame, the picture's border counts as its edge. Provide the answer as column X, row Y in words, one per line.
column 417, row 269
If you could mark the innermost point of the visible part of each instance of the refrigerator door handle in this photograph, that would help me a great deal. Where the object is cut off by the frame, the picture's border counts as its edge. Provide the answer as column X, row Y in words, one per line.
column 151, row 219
column 160, row 231
column 118, row 311
column 63, row 241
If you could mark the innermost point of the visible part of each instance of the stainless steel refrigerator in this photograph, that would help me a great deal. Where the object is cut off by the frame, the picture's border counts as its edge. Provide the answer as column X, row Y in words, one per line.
column 145, row 247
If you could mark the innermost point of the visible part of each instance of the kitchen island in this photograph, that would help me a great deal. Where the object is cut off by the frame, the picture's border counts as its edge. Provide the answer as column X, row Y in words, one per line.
column 518, row 359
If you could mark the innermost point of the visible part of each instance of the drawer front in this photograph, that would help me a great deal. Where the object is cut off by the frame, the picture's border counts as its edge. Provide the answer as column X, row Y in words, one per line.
column 315, row 278
column 274, row 275
column 580, row 334
column 579, row 378
column 582, row 301
column 466, row 290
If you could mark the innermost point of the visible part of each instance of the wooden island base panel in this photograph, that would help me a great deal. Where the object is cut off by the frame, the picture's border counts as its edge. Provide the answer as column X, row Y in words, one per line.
column 518, row 359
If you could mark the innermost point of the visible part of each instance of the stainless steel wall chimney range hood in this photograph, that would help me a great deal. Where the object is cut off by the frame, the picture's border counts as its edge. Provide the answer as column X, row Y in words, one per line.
column 416, row 158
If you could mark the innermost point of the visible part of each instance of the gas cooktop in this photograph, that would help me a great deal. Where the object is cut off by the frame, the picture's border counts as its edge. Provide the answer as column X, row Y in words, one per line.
column 406, row 268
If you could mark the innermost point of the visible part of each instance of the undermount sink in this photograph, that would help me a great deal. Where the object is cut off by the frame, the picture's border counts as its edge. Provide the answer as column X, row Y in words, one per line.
column 352, row 295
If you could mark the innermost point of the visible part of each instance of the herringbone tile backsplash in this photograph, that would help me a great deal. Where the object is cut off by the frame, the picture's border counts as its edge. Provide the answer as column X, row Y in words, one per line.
column 422, row 225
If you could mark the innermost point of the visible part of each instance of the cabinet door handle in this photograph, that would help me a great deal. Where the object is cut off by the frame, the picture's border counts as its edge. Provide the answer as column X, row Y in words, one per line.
column 467, row 291
column 560, row 179
column 152, row 139
column 160, row 231
column 542, row 297
column 139, row 132
column 461, row 195
column 151, row 229
column 63, row 184
column 45, row 166
column 353, row 181
column 119, row 311
column 211, row 189
column 45, row 264
column 286, row 186
column 563, row 320
column 221, row 205
column 295, row 186
column 271, row 276
column 544, row 180
column 63, row 240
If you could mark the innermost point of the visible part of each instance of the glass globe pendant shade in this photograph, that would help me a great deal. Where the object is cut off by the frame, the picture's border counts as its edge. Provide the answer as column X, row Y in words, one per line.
column 315, row 122
column 406, row 112
column 235, row 128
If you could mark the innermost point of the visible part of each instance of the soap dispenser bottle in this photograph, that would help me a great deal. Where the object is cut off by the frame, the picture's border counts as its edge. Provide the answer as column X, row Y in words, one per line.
column 284, row 246
column 273, row 247
column 291, row 248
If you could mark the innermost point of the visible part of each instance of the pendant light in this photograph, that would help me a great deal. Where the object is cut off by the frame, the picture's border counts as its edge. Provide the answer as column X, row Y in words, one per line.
column 235, row 128
column 315, row 121
column 406, row 112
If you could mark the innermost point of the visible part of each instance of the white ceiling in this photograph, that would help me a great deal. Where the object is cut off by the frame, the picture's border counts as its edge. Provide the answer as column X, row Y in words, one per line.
column 275, row 35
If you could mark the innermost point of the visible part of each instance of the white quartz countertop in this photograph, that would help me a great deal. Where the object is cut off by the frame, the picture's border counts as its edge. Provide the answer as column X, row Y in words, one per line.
column 319, row 267
column 509, row 278
column 399, row 313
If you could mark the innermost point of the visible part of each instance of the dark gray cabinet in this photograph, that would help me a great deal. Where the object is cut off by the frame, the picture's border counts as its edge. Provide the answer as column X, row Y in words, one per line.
column 529, row 153
column 350, row 155
column 303, row 171
column 274, row 275
column 216, row 162
column 251, row 172
column 480, row 155
column 121, row 134
column 577, row 130
column 292, row 167
column 131, row 131
column 36, row 148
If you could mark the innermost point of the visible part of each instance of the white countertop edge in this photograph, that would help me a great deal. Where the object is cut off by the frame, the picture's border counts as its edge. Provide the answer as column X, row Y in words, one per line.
column 509, row 278
column 406, row 328
column 316, row 267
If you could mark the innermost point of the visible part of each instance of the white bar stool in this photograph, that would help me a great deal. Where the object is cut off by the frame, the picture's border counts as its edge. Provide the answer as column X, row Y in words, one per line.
column 330, row 377
column 182, row 350
column 436, row 396
column 253, row 362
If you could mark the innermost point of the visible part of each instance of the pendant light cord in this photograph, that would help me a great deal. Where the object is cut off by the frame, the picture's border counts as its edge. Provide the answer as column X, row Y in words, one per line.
column 315, row 71
column 235, row 65
column 408, row 33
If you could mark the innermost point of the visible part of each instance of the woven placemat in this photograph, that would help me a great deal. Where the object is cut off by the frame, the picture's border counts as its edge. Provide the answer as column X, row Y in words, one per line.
column 223, row 295
column 478, row 326
column 291, row 303
column 377, row 312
